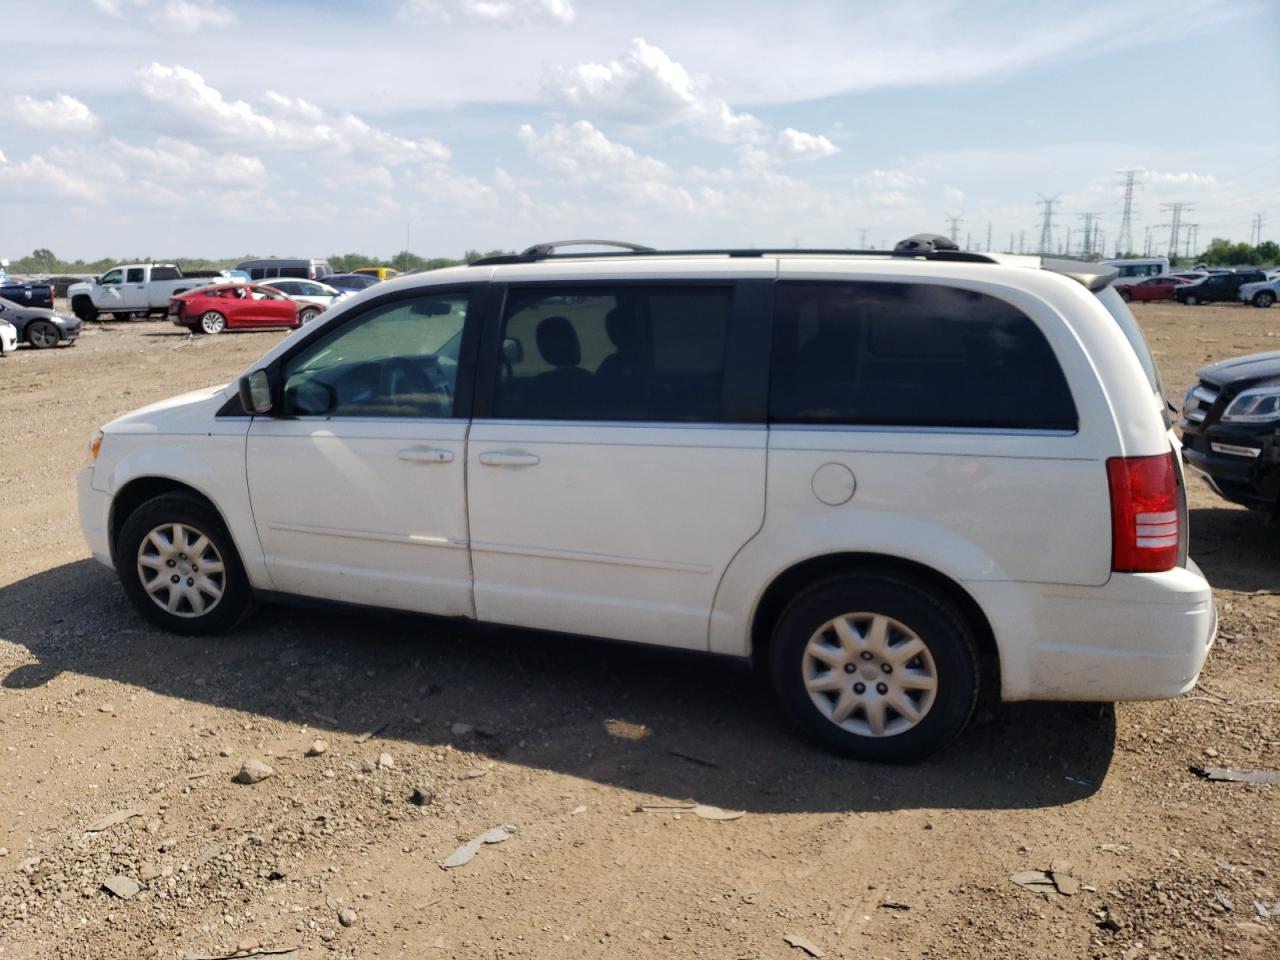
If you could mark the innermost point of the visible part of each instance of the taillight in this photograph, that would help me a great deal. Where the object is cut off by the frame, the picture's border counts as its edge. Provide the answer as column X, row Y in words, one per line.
column 1144, row 513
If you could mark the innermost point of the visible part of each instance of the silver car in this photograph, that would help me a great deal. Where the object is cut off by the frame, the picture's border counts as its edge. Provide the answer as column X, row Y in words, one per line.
column 312, row 296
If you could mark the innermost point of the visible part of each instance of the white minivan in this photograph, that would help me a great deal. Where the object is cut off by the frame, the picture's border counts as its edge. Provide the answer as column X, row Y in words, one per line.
column 893, row 480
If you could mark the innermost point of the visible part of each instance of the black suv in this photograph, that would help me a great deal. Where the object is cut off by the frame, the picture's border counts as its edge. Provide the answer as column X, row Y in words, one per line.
column 1231, row 429
column 1216, row 286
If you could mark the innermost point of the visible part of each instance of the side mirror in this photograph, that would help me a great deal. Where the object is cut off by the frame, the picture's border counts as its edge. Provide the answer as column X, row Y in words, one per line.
column 255, row 392
column 512, row 350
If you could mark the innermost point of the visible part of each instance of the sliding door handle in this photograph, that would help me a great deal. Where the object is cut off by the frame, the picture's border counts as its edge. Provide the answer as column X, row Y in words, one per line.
column 509, row 458
column 425, row 455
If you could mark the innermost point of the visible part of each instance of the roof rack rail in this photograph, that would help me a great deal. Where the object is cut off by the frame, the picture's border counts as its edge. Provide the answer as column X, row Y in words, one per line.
column 914, row 248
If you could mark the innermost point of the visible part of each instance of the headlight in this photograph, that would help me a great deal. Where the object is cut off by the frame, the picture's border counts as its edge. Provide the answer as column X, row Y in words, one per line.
column 95, row 445
column 1259, row 405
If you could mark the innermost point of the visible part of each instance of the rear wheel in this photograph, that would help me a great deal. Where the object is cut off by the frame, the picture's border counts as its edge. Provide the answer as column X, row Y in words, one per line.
column 42, row 334
column 307, row 314
column 1126, row 296
column 1264, row 298
column 213, row 322
column 179, row 567
column 876, row 666
column 1191, row 300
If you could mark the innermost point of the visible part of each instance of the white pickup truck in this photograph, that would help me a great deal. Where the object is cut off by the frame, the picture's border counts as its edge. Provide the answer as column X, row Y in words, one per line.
column 135, row 289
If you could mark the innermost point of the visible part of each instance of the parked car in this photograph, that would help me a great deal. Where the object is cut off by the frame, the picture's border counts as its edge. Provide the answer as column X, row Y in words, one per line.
column 268, row 268
column 233, row 306
column 39, row 326
column 1261, row 293
column 31, row 293
column 382, row 273
column 969, row 477
column 1154, row 288
column 8, row 337
column 312, row 296
column 1231, row 429
column 136, row 289
column 354, row 282
column 1216, row 287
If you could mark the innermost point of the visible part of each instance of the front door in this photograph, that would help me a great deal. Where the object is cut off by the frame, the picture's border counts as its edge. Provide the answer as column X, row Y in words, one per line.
column 357, row 483
column 608, row 488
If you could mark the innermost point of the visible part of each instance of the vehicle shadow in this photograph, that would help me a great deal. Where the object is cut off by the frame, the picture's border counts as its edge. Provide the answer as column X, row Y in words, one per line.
column 1238, row 549
column 610, row 713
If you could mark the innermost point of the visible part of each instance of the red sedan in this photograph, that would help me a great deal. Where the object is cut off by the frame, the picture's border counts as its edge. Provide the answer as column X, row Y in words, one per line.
column 233, row 306
column 1156, row 288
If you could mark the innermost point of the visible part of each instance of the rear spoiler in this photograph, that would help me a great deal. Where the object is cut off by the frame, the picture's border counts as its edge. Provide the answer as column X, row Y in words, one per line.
column 1095, row 277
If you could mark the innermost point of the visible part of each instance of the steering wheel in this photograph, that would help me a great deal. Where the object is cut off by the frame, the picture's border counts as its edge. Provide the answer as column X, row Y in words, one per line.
column 402, row 377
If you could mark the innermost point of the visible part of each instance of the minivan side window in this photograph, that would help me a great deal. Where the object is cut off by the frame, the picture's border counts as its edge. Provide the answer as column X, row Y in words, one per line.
column 907, row 354
column 633, row 353
column 395, row 360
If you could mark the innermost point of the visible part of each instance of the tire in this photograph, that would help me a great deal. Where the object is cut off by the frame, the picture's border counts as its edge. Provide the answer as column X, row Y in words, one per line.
column 1191, row 300
column 212, row 322
column 171, row 529
column 829, row 633
column 1264, row 299
column 1126, row 296
column 307, row 314
column 42, row 334
column 84, row 309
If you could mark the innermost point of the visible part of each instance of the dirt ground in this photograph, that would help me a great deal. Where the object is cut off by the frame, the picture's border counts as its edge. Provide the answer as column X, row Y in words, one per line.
column 561, row 740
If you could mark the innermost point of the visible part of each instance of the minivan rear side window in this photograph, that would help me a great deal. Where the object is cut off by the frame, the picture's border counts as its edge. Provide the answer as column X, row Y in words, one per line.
column 635, row 353
column 908, row 354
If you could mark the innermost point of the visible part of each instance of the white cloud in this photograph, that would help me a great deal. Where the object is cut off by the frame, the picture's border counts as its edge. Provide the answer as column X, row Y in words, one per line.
column 890, row 179
column 1157, row 179
column 192, row 16
column 952, row 196
column 498, row 12
column 62, row 113
column 116, row 8
column 796, row 145
column 582, row 153
column 39, row 178
column 285, row 123
column 646, row 85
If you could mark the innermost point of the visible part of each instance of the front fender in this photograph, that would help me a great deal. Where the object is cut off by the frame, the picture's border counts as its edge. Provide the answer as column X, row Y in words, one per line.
column 212, row 464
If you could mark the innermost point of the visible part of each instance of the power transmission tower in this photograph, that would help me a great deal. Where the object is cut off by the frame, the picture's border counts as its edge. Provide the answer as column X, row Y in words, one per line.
column 1022, row 241
column 1255, row 229
column 1068, row 239
column 1086, row 245
column 1124, row 239
column 955, row 226
column 1175, row 223
column 1046, row 226
column 862, row 239
column 1146, row 247
column 1192, row 230
column 1012, row 248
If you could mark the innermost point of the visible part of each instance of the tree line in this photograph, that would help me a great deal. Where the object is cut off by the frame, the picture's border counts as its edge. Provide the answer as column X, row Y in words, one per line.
column 44, row 261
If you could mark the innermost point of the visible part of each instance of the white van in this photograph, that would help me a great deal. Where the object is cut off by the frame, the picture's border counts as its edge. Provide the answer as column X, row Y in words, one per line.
column 893, row 480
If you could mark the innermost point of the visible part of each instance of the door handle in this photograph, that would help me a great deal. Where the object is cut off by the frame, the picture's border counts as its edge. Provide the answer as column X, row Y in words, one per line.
column 425, row 455
column 509, row 458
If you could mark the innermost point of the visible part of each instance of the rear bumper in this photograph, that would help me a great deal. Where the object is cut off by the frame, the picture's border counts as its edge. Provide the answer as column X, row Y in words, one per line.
column 1140, row 636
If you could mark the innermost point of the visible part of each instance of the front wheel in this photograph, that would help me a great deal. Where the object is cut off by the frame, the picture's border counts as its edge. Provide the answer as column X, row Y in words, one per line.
column 180, row 569
column 1190, row 300
column 1264, row 298
column 42, row 334
column 875, row 666
column 213, row 322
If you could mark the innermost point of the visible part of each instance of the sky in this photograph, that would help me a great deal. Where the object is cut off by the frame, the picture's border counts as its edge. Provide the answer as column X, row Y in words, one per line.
column 216, row 128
